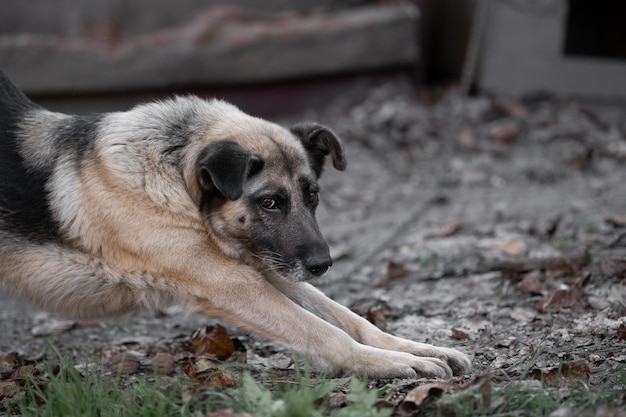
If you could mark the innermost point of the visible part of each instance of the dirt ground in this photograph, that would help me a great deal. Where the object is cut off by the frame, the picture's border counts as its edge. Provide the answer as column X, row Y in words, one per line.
column 490, row 224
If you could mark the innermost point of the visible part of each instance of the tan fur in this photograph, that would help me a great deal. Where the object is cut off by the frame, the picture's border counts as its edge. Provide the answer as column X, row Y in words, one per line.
column 134, row 238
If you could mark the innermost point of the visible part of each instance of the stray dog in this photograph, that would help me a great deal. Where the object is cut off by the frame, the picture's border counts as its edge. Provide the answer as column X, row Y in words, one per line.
column 184, row 200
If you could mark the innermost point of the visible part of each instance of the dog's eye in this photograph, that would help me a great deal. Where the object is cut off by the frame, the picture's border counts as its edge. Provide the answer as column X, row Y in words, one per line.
column 314, row 197
column 268, row 203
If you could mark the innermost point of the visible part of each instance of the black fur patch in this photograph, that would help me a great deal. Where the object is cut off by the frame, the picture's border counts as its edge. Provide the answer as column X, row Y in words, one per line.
column 77, row 135
column 24, row 207
column 23, row 203
column 225, row 165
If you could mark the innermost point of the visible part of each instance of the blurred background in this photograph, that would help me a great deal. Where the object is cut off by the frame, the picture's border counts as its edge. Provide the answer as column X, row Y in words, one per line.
column 484, row 205
column 280, row 56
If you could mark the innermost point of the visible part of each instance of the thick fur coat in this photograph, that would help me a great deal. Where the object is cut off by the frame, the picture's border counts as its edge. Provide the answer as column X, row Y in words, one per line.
column 185, row 200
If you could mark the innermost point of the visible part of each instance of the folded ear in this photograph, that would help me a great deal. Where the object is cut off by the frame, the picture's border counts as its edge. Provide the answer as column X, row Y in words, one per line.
column 320, row 141
column 224, row 166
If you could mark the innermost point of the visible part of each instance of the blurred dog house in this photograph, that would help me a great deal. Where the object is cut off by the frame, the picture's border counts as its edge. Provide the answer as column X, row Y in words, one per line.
column 573, row 47
column 276, row 55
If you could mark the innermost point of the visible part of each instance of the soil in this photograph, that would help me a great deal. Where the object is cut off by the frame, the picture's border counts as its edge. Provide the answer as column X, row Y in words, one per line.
column 494, row 225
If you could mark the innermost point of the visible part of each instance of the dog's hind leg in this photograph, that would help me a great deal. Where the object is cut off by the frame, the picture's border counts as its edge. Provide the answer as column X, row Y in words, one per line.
column 76, row 285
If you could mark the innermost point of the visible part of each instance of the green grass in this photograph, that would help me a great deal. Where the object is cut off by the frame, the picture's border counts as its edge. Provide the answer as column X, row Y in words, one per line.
column 63, row 391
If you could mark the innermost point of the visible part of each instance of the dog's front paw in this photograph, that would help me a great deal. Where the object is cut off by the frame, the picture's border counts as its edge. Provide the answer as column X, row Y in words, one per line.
column 380, row 363
column 458, row 361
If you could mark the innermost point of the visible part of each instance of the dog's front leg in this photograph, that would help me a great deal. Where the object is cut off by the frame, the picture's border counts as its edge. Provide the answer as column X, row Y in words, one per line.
column 362, row 330
column 244, row 298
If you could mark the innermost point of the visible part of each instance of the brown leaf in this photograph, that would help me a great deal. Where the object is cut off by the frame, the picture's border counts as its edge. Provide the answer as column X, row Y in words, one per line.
column 20, row 373
column 511, row 247
column 534, row 282
column 459, row 334
column 559, row 299
column 394, row 271
column 465, row 139
column 447, row 229
column 509, row 107
column 8, row 389
column 504, row 133
column 523, row 314
column 376, row 315
column 611, row 267
column 580, row 161
column 617, row 221
column 212, row 340
column 337, row 400
column 8, row 360
column 621, row 332
column 205, row 371
column 125, row 363
column 422, row 398
column 221, row 379
column 163, row 363
column 564, row 375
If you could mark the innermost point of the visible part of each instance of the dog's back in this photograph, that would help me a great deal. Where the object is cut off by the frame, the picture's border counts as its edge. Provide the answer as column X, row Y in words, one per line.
column 23, row 204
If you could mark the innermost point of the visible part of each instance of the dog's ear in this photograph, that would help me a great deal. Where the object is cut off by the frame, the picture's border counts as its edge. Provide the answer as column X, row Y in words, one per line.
column 320, row 141
column 225, row 165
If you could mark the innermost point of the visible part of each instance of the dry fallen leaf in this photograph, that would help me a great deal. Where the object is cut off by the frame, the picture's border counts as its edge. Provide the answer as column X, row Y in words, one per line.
column 8, row 360
column 610, row 267
column 581, row 160
column 376, row 315
column 504, row 133
column 564, row 375
column 510, row 107
column 459, row 334
column 421, row 398
column 20, row 373
column 523, row 314
column 561, row 298
column 617, row 221
column 465, row 139
column 511, row 247
column 163, row 363
column 125, row 363
column 447, row 229
column 534, row 282
column 212, row 340
column 394, row 271
column 206, row 372
column 8, row 389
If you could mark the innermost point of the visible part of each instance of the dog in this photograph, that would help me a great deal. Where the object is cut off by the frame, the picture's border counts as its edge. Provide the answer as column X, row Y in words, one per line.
column 184, row 200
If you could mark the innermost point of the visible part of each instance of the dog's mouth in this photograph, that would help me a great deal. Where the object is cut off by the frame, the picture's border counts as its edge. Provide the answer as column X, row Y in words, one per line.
column 294, row 271
column 300, row 268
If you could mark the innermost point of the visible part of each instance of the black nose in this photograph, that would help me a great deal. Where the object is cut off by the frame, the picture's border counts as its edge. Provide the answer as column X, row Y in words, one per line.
column 318, row 265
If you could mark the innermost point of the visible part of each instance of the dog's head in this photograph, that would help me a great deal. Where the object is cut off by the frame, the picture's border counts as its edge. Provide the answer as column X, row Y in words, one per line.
column 259, row 193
